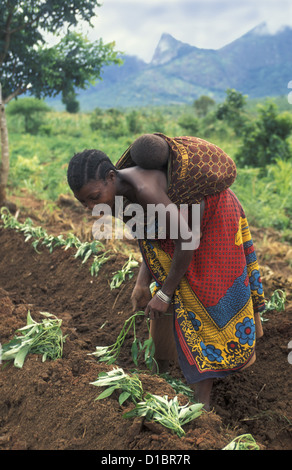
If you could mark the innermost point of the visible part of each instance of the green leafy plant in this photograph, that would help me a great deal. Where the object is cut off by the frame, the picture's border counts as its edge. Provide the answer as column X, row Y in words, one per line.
column 71, row 242
column 87, row 249
column 277, row 301
column 166, row 412
column 8, row 220
column 178, row 386
column 44, row 338
column 37, row 234
column 120, row 276
column 266, row 137
column 51, row 242
column 98, row 261
column 243, row 442
column 109, row 354
column 117, row 379
column 147, row 347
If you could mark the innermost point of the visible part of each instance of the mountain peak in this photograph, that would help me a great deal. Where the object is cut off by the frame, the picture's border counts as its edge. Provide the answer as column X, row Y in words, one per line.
column 168, row 48
column 268, row 29
column 258, row 64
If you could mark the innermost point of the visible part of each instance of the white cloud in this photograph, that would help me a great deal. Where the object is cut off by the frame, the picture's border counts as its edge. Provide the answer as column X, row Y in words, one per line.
column 136, row 25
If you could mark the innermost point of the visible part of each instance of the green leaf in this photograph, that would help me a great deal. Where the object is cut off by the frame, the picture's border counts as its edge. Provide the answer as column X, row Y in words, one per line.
column 29, row 320
column 89, row 252
column 242, row 442
column 20, row 356
column 137, row 411
column 123, row 397
column 149, row 348
column 135, row 351
column 12, row 346
column 106, row 393
column 102, row 374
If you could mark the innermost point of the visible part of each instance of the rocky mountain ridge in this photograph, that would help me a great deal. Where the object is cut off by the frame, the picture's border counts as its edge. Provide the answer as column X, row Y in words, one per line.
column 257, row 64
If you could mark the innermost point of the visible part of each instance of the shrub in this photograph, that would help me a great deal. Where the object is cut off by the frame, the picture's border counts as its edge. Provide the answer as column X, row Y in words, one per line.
column 189, row 123
column 32, row 111
column 111, row 122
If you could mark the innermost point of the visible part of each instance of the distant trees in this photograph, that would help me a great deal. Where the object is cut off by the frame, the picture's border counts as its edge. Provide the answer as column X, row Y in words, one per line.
column 264, row 140
column 112, row 122
column 70, row 101
column 190, row 123
column 29, row 65
column 232, row 110
column 203, row 105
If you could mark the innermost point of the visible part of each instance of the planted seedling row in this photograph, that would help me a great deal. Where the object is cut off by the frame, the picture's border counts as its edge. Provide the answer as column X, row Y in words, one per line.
column 84, row 250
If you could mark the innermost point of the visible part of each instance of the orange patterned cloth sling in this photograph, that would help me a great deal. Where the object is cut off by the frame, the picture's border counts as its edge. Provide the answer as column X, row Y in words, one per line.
column 196, row 168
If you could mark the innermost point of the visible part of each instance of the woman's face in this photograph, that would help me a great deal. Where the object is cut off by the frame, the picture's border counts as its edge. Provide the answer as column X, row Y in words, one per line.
column 97, row 192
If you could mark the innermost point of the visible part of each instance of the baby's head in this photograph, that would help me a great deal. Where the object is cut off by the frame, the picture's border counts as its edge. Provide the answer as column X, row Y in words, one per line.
column 150, row 152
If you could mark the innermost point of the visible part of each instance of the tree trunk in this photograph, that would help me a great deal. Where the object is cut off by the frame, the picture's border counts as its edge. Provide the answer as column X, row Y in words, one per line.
column 4, row 164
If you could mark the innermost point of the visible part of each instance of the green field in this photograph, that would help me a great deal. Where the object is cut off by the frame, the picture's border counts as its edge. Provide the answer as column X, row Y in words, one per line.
column 39, row 158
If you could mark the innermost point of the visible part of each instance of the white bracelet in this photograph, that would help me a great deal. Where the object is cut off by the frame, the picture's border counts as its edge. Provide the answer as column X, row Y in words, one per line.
column 162, row 296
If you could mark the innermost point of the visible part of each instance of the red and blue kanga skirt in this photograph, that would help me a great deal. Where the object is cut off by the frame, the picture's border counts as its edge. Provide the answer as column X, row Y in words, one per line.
column 215, row 304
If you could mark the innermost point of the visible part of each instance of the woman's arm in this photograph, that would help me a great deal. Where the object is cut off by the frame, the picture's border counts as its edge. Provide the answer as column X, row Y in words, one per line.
column 141, row 294
column 180, row 262
column 144, row 276
column 186, row 239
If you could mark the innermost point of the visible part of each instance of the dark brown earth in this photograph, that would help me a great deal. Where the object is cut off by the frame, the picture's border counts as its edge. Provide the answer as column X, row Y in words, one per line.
column 51, row 405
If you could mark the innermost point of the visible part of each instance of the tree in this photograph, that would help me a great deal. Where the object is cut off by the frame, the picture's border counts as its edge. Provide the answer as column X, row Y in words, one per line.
column 29, row 65
column 203, row 104
column 265, row 139
column 70, row 101
column 189, row 123
column 32, row 110
column 231, row 110
column 134, row 119
column 111, row 121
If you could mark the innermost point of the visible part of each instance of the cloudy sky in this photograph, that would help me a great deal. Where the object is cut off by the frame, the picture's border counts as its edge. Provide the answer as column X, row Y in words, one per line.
column 136, row 25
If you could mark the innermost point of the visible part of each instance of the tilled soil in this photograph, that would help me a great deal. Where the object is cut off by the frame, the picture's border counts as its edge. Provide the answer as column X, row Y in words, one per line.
column 51, row 405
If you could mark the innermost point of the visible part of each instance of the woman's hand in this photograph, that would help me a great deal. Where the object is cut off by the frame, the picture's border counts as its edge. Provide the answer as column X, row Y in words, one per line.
column 140, row 297
column 156, row 308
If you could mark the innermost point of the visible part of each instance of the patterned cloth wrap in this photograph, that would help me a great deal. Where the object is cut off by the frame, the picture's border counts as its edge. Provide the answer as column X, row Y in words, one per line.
column 214, row 305
column 196, row 168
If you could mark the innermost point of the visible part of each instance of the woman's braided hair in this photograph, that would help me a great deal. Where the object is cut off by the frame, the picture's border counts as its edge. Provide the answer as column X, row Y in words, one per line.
column 88, row 165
